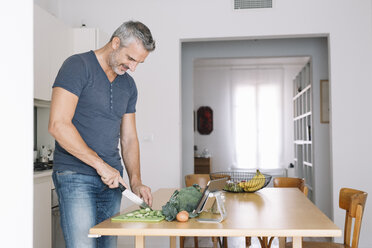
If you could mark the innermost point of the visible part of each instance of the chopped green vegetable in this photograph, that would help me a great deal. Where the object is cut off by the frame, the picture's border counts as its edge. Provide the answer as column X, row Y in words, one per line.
column 136, row 215
column 184, row 199
column 233, row 187
column 143, row 213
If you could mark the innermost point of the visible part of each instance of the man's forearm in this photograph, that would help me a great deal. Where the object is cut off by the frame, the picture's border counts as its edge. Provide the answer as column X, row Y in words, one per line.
column 131, row 158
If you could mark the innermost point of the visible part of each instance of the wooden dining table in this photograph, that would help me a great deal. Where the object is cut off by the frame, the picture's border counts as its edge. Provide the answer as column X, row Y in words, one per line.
column 269, row 212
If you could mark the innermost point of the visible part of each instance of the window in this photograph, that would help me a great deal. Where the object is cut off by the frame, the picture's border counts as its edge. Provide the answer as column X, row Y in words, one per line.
column 257, row 116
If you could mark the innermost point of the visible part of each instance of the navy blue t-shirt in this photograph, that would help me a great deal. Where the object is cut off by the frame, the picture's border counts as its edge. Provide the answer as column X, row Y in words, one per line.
column 99, row 110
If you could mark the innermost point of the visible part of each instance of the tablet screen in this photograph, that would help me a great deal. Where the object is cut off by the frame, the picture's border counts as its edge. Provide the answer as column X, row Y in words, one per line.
column 212, row 186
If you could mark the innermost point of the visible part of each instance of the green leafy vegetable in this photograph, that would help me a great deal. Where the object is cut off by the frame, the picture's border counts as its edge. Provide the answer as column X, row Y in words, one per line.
column 184, row 199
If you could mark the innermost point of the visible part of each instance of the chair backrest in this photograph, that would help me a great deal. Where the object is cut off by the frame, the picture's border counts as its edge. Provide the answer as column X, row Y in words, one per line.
column 291, row 182
column 353, row 201
column 200, row 179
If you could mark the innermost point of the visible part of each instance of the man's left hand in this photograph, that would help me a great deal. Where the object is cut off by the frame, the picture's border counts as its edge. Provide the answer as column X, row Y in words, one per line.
column 144, row 192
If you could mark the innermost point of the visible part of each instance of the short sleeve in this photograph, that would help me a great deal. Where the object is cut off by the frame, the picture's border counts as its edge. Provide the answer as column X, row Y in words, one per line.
column 131, row 107
column 72, row 75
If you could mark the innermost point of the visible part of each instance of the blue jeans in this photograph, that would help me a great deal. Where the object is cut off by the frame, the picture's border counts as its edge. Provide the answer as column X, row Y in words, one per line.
column 84, row 202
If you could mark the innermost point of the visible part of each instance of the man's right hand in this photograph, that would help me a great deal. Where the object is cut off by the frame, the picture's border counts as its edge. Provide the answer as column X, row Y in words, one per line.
column 110, row 176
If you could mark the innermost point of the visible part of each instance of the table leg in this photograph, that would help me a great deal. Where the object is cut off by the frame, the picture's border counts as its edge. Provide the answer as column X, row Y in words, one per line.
column 297, row 242
column 140, row 242
column 173, row 241
column 281, row 242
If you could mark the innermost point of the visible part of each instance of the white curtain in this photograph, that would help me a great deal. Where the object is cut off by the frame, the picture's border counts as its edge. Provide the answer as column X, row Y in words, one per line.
column 257, row 118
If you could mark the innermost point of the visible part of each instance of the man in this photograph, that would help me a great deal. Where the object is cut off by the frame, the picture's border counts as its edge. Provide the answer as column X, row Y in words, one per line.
column 93, row 107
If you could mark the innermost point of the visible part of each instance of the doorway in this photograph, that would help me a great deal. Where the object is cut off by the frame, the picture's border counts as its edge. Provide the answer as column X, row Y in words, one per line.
column 314, row 48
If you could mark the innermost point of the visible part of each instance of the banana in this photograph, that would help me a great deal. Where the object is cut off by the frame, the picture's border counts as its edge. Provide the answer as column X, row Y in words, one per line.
column 261, row 181
column 256, row 183
column 249, row 184
column 253, row 182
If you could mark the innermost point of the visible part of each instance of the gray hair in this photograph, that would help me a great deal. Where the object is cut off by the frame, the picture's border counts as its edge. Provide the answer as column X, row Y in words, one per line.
column 133, row 30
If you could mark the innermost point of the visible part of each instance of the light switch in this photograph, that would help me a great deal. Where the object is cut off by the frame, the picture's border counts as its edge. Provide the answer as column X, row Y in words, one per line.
column 148, row 138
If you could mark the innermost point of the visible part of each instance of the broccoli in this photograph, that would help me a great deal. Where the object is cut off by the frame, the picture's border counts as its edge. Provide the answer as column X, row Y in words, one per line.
column 184, row 199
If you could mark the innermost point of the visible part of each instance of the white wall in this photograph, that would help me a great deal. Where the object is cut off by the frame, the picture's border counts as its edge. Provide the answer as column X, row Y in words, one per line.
column 348, row 24
column 212, row 88
column 49, row 5
column 16, row 125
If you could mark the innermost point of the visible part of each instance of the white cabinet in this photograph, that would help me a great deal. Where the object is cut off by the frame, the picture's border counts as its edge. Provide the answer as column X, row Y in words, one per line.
column 52, row 45
column 86, row 39
column 42, row 212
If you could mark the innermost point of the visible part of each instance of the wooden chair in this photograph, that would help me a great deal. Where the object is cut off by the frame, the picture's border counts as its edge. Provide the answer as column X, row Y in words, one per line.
column 201, row 180
column 353, row 201
column 291, row 182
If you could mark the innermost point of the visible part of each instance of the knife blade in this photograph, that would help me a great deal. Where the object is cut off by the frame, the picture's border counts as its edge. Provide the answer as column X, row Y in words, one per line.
column 133, row 197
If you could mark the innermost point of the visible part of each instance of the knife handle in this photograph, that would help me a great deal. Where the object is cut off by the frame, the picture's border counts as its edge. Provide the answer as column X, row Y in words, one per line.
column 122, row 187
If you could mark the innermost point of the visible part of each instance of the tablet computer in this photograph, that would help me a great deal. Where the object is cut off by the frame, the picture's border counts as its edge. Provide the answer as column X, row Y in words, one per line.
column 212, row 186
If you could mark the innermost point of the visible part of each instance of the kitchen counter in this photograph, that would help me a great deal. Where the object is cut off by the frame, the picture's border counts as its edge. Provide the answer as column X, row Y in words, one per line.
column 43, row 185
column 43, row 173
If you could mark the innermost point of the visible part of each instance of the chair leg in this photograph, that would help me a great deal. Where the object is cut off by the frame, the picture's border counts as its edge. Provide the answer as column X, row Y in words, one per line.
column 263, row 241
column 215, row 242
column 182, row 240
column 196, row 244
column 224, row 242
column 270, row 242
column 248, row 241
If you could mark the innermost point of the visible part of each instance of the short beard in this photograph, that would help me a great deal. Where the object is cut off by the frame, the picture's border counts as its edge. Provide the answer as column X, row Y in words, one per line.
column 113, row 62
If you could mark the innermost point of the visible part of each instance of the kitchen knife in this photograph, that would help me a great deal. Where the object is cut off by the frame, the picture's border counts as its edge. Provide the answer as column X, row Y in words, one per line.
column 133, row 197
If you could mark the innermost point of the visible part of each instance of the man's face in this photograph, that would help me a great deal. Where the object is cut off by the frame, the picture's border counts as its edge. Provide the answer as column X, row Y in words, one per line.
column 123, row 58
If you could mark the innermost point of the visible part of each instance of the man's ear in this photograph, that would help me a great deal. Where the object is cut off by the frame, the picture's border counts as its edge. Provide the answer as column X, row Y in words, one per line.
column 115, row 43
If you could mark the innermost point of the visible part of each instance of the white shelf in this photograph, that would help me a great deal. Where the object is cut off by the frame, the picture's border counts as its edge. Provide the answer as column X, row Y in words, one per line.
column 302, row 116
column 303, row 128
column 302, row 92
column 303, row 142
column 307, row 163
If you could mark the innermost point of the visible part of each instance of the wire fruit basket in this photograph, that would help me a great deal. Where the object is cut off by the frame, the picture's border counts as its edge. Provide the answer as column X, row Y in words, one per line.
column 243, row 181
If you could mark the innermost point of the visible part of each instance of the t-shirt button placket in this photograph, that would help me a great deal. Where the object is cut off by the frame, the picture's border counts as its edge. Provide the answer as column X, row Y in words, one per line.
column 111, row 97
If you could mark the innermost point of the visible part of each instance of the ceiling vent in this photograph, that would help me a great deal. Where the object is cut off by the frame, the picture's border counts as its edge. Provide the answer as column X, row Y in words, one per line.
column 252, row 4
